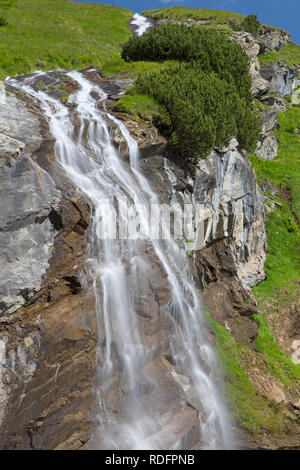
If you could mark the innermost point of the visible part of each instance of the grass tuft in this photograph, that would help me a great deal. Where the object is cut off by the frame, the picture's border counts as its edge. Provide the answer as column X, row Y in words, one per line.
column 290, row 53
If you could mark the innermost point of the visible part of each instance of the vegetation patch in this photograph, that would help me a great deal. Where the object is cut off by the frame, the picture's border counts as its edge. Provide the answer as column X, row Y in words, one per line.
column 283, row 262
column 119, row 68
column 251, row 25
column 255, row 412
column 276, row 360
column 206, row 98
column 3, row 20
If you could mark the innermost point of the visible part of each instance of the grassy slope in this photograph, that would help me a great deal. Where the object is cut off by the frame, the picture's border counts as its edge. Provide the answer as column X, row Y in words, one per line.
column 253, row 410
column 48, row 34
column 283, row 262
column 197, row 14
column 290, row 54
column 139, row 105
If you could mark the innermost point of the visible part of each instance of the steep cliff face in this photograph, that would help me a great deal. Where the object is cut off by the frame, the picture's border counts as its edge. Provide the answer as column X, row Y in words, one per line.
column 46, row 322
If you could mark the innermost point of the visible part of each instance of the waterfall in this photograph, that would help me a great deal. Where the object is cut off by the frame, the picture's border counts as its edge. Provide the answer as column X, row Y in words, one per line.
column 141, row 23
column 124, row 273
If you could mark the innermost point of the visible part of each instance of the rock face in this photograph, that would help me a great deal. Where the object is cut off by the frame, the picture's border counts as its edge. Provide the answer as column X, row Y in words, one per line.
column 273, row 39
column 269, row 84
column 280, row 77
column 46, row 346
column 267, row 146
column 235, row 210
column 259, row 85
column 235, row 239
column 27, row 196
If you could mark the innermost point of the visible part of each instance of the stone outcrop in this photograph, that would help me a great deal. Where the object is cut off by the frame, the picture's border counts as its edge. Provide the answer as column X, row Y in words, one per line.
column 47, row 324
column 267, row 146
column 234, row 206
column 259, row 85
column 270, row 83
column 280, row 77
column 28, row 194
column 273, row 38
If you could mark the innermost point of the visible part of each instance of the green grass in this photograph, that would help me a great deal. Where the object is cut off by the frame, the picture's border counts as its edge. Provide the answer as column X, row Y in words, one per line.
column 121, row 69
column 283, row 261
column 278, row 363
column 254, row 411
column 282, row 266
column 49, row 34
column 143, row 106
column 290, row 53
column 216, row 17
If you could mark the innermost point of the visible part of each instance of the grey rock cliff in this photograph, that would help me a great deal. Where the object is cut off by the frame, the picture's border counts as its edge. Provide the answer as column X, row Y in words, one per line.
column 280, row 77
column 259, row 85
column 47, row 347
column 27, row 194
column 272, row 38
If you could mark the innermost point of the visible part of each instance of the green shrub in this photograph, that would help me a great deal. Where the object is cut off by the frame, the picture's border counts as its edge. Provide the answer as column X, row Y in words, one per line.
column 201, row 110
column 251, row 25
column 206, row 99
column 212, row 51
column 3, row 21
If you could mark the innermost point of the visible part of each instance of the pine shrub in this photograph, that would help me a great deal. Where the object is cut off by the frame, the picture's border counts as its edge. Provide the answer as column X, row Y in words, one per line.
column 3, row 20
column 251, row 25
column 206, row 98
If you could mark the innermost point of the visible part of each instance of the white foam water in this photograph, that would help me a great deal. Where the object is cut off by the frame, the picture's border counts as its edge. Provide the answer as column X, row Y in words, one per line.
column 142, row 24
column 120, row 272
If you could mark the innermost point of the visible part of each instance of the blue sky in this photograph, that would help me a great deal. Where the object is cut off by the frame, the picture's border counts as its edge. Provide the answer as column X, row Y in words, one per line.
column 282, row 13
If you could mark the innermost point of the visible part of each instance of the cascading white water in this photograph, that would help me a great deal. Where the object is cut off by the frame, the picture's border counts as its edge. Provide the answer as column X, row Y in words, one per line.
column 121, row 271
column 141, row 22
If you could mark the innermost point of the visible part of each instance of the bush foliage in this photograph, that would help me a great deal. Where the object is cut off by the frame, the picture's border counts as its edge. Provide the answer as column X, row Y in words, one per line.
column 206, row 98
column 201, row 109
